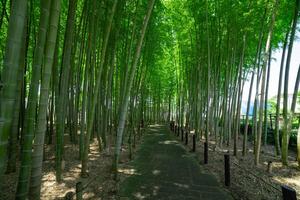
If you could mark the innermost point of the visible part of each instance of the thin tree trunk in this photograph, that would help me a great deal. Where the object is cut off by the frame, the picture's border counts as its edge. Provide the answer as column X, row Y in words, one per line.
column 64, row 83
column 14, row 133
column 277, row 143
column 9, row 73
column 30, row 114
column 266, row 99
column 286, row 124
column 125, row 101
column 240, row 93
column 50, row 47
column 96, row 90
column 262, row 91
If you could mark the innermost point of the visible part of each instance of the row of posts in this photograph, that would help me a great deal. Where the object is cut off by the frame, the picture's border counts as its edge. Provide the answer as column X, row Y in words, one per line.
column 288, row 193
column 184, row 134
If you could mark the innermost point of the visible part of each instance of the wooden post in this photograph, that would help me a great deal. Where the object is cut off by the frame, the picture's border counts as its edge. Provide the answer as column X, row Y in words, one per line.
column 182, row 131
column 194, row 142
column 288, row 193
column 79, row 190
column 175, row 129
column 205, row 153
column 178, row 131
column 173, row 126
column 186, row 137
column 227, row 169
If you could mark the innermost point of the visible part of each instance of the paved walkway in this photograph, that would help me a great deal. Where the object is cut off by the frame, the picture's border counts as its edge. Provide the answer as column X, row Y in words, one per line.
column 164, row 170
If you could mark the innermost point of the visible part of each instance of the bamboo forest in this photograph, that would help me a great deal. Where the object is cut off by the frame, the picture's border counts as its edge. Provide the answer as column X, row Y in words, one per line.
column 149, row 99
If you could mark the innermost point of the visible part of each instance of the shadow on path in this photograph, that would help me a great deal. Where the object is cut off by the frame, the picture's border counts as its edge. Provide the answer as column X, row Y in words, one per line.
column 163, row 169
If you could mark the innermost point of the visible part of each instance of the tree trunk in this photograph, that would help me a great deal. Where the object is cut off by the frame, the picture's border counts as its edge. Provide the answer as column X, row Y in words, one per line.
column 262, row 91
column 96, row 90
column 14, row 43
column 125, row 101
column 286, row 120
column 64, row 83
column 266, row 99
column 50, row 47
column 277, row 143
column 30, row 114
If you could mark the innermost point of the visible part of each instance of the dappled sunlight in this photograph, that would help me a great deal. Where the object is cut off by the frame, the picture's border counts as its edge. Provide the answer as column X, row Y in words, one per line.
column 156, row 172
column 168, row 142
column 294, row 180
column 138, row 195
column 167, row 172
column 155, row 190
column 286, row 175
column 155, row 125
column 151, row 192
column 182, row 185
column 89, row 195
column 128, row 171
column 159, row 92
column 50, row 188
column 94, row 157
column 98, row 163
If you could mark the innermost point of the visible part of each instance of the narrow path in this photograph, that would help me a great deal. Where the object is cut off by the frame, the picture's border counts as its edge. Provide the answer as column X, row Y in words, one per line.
column 164, row 170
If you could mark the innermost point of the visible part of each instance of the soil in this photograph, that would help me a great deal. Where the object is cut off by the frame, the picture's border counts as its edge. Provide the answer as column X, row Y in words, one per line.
column 248, row 181
column 100, row 183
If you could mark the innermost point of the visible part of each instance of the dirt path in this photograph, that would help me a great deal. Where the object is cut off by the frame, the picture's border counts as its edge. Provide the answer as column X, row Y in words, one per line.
column 164, row 170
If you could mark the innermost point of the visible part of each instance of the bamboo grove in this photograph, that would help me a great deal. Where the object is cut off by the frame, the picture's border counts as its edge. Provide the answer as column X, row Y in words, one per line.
column 104, row 69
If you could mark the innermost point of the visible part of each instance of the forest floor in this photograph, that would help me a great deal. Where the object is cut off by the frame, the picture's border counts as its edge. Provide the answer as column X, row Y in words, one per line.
column 99, row 185
column 250, row 182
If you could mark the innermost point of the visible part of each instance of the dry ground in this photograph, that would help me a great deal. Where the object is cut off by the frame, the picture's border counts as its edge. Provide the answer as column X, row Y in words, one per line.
column 247, row 180
column 100, row 183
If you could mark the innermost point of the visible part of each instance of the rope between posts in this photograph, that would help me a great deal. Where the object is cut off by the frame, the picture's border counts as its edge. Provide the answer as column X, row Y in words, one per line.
column 87, row 184
column 253, row 174
column 83, row 188
column 250, row 172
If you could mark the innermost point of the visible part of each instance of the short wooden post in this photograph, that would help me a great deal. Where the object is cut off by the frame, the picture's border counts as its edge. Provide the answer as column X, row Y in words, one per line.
column 205, row 153
column 175, row 129
column 194, row 142
column 173, row 126
column 79, row 190
column 186, row 137
column 178, row 131
column 227, row 169
column 288, row 193
column 182, row 132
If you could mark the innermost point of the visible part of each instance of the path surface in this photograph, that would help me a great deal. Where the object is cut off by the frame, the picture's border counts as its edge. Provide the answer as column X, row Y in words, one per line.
column 163, row 169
